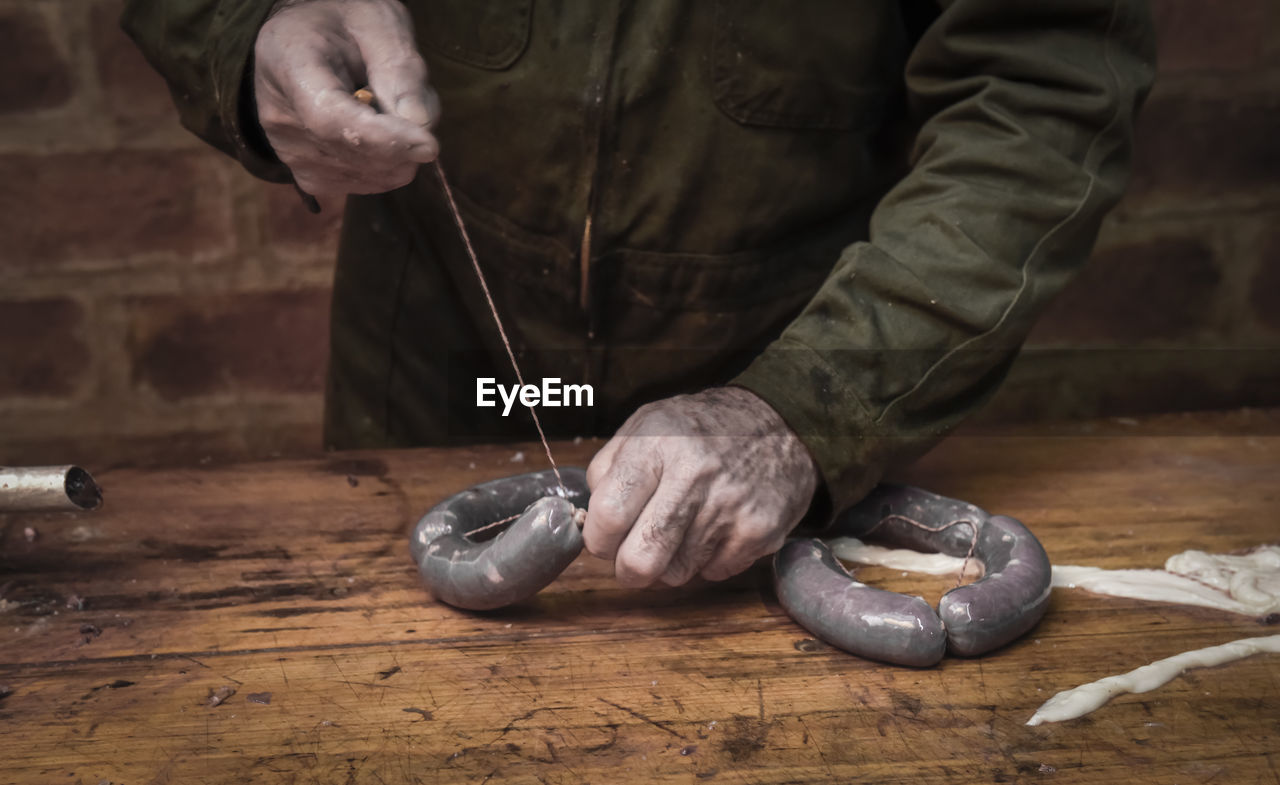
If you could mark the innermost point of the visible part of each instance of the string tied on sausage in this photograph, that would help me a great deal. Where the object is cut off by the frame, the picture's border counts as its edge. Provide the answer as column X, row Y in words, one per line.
column 579, row 517
column 973, row 543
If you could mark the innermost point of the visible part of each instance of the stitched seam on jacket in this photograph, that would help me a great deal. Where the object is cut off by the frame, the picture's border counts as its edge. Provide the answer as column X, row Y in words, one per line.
column 1031, row 257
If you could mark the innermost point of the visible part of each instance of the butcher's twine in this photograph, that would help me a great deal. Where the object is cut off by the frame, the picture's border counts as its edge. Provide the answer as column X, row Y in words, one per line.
column 493, row 309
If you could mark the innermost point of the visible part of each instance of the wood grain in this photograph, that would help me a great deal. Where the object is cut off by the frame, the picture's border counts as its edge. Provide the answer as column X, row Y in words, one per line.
column 292, row 579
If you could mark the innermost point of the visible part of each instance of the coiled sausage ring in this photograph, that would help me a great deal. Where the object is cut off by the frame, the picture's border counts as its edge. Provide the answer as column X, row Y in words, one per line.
column 1008, row 600
column 813, row 587
column 520, row 560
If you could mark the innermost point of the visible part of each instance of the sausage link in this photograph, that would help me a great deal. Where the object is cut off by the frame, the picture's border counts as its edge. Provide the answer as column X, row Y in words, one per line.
column 1005, row 603
column 520, row 560
column 817, row 592
column 1009, row 600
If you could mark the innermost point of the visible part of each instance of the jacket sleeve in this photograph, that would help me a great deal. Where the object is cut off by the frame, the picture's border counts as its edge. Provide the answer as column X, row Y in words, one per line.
column 204, row 50
column 1025, row 113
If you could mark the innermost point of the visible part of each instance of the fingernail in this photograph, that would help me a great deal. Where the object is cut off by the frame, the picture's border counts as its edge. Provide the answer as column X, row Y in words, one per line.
column 413, row 111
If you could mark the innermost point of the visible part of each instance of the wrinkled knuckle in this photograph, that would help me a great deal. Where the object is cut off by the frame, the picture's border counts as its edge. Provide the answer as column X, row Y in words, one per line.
column 690, row 470
column 710, row 462
column 677, row 576
column 664, row 532
column 607, row 513
column 411, row 65
column 631, row 472
column 653, row 418
column 596, row 472
column 758, row 530
column 638, row 569
column 749, row 538
column 691, row 558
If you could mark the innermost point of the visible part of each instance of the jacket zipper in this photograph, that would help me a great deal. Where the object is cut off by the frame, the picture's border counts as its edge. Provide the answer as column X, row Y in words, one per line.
column 584, row 292
column 598, row 73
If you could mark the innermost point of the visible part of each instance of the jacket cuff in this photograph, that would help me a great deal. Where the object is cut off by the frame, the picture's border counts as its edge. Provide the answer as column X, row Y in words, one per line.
column 829, row 419
column 234, row 33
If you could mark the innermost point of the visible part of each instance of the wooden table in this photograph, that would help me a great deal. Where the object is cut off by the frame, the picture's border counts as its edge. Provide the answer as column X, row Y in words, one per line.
column 290, row 583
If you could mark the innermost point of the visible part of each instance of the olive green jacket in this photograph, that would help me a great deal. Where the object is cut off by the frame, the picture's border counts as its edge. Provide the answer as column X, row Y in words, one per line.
column 854, row 208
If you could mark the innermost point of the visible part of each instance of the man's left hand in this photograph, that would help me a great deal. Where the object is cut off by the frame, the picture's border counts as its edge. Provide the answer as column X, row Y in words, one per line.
column 697, row 484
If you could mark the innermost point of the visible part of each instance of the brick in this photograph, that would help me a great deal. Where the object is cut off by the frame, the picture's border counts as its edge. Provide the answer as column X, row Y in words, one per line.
column 1127, row 295
column 1204, row 147
column 136, row 96
column 1265, row 288
column 36, row 76
column 268, row 342
column 43, row 353
column 103, row 205
column 1197, row 36
column 296, row 231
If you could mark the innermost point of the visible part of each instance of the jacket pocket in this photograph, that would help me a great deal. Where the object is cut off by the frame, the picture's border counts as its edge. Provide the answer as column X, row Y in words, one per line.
column 808, row 64
column 490, row 35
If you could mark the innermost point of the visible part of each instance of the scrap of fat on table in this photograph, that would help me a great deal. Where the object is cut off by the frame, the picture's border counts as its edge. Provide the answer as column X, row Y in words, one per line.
column 1246, row 583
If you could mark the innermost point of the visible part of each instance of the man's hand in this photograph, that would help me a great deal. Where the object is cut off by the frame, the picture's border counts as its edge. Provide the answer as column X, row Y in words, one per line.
column 696, row 484
column 310, row 57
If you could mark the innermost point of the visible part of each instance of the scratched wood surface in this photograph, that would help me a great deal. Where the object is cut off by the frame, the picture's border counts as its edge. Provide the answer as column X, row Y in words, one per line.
column 289, row 582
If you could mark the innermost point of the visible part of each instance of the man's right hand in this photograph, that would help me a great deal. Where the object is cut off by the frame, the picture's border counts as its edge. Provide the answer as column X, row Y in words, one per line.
column 310, row 57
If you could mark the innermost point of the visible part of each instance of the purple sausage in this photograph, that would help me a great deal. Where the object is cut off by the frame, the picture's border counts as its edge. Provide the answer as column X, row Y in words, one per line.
column 1009, row 600
column 521, row 559
column 816, row 591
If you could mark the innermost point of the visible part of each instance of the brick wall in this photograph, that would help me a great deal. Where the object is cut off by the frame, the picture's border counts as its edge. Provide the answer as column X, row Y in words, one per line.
column 156, row 303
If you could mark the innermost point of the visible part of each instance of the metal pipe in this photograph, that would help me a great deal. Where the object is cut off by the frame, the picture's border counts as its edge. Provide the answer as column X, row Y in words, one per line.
column 32, row 488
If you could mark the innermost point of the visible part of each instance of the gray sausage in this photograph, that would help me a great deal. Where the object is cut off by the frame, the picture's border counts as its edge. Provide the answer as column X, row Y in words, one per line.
column 1007, row 602
column 520, row 560
column 816, row 591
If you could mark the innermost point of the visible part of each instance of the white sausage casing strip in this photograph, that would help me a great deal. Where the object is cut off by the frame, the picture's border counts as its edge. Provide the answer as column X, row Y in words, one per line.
column 1081, row 700
column 855, row 550
column 1248, row 584
column 1243, row 583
